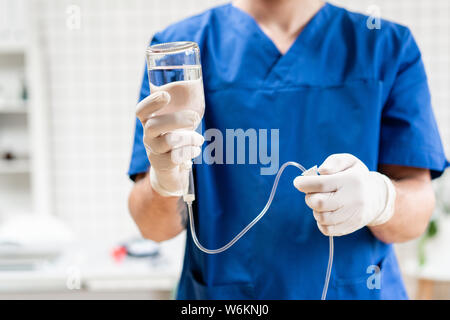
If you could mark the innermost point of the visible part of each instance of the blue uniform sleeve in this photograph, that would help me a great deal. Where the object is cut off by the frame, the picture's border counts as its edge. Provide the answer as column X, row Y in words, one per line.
column 409, row 134
column 139, row 162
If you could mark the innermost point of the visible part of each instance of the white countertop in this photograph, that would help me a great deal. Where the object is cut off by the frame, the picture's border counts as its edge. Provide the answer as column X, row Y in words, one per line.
column 91, row 267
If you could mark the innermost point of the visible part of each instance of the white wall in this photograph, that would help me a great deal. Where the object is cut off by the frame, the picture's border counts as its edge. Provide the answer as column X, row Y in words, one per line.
column 95, row 72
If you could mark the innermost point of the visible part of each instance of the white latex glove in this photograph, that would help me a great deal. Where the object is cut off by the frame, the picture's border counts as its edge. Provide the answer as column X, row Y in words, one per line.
column 347, row 196
column 171, row 143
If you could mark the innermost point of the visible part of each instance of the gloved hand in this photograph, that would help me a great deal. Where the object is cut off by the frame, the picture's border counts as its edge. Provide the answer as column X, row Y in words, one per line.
column 171, row 143
column 346, row 196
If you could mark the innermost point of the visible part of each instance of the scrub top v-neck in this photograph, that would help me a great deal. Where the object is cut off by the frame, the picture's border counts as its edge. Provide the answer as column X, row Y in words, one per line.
column 340, row 88
column 280, row 64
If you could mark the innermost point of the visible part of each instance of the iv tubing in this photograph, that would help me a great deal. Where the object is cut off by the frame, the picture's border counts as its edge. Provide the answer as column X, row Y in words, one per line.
column 190, row 196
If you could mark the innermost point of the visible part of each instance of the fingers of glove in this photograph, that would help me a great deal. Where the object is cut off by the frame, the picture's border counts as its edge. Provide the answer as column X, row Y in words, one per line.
column 168, row 161
column 332, row 218
column 174, row 139
column 313, row 184
column 353, row 222
column 323, row 201
column 337, row 163
column 336, row 230
column 158, row 125
column 184, row 154
column 151, row 104
column 161, row 162
column 328, row 230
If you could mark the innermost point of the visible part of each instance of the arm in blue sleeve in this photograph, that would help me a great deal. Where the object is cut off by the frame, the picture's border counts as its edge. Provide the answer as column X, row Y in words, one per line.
column 409, row 132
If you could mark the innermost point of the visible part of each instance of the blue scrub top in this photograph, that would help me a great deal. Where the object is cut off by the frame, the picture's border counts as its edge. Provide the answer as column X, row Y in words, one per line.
column 341, row 87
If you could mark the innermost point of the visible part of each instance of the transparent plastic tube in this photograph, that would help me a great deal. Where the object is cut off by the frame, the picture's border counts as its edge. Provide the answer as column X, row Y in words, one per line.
column 189, row 197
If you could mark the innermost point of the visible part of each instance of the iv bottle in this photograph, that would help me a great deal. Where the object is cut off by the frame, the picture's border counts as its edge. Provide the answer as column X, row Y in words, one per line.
column 175, row 67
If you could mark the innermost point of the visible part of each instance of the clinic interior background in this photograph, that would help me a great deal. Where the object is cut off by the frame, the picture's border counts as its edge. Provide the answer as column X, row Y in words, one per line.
column 92, row 75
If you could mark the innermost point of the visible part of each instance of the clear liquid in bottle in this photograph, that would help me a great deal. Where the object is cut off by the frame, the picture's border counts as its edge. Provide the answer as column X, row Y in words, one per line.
column 184, row 85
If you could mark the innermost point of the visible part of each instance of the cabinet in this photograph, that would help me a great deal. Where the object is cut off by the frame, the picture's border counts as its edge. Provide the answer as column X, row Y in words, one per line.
column 24, row 160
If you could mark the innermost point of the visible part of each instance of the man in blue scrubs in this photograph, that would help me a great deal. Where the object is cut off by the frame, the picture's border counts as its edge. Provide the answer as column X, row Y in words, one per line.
column 351, row 99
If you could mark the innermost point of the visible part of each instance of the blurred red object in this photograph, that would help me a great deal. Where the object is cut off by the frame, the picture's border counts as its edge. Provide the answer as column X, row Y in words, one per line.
column 119, row 253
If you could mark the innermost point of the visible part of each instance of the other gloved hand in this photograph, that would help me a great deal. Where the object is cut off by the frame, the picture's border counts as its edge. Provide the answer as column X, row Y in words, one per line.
column 171, row 143
column 347, row 196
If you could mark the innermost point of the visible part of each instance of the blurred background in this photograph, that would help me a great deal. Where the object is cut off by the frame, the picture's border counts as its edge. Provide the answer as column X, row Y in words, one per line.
column 70, row 73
